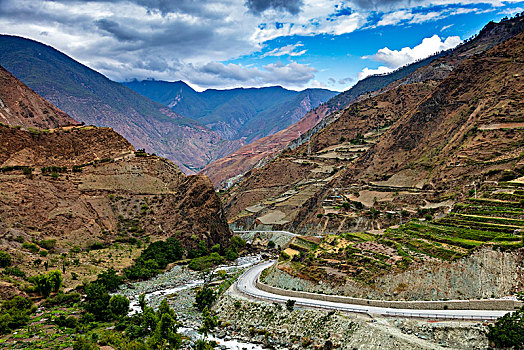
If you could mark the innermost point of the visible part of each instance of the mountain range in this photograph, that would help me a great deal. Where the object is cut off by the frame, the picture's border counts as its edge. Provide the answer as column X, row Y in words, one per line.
column 242, row 113
column 90, row 97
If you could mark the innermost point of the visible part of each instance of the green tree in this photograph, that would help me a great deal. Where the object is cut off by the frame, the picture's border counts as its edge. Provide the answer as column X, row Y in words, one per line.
column 118, row 306
column 5, row 259
column 290, row 304
column 14, row 313
column 508, row 331
column 43, row 285
column 209, row 322
column 237, row 242
column 205, row 297
column 231, row 254
column 165, row 335
column 55, row 279
column 97, row 300
column 82, row 343
column 109, row 279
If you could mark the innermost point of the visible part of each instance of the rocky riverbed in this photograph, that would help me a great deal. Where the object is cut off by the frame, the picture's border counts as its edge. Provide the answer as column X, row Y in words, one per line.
column 178, row 286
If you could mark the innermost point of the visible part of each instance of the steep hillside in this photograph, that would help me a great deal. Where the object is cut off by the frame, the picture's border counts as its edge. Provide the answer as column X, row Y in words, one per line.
column 21, row 106
column 79, row 188
column 90, row 97
column 413, row 147
column 226, row 171
column 236, row 113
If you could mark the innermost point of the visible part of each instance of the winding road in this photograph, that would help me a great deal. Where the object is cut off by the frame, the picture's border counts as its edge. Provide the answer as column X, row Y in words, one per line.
column 246, row 286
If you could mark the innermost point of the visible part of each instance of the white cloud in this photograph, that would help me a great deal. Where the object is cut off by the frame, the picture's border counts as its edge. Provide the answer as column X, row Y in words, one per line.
column 286, row 50
column 367, row 72
column 396, row 17
column 429, row 46
column 446, row 27
column 172, row 40
column 394, row 59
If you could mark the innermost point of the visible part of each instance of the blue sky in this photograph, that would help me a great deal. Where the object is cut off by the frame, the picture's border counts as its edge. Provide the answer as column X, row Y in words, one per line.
column 244, row 43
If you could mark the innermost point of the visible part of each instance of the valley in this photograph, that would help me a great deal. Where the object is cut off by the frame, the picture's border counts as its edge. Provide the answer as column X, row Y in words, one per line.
column 150, row 215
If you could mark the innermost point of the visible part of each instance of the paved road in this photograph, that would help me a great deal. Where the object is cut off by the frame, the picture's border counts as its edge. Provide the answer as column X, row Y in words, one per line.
column 260, row 231
column 246, row 286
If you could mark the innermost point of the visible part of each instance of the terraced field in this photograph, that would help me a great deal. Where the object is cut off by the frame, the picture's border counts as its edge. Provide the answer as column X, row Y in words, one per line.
column 495, row 219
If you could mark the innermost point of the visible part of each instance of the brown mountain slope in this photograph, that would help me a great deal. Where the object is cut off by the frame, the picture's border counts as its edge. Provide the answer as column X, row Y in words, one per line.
column 295, row 176
column 469, row 129
column 100, row 192
column 19, row 105
column 399, row 149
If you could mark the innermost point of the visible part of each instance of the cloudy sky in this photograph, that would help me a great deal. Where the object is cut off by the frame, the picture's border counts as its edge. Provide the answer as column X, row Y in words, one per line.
column 232, row 43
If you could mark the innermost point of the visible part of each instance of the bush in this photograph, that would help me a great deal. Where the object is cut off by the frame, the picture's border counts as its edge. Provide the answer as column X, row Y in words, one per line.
column 14, row 313
column 508, row 331
column 62, row 299
column 237, row 242
column 109, row 279
column 46, row 283
column 231, row 254
column 271, row 244
column 118, row 306
column 290, row 304
column 5, row 259
column 205, row 297
column 31, row 247
column 67, row 322
column 205, row 262
column 154, row 258
column 15, row 271
column 97, row 300
column 82, row 343
column 48, row 244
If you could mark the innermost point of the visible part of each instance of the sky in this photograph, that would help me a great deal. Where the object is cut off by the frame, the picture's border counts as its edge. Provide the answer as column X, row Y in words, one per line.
column 222, row 44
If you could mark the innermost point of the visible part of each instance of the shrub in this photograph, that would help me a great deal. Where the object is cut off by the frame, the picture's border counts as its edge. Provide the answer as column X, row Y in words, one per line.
column 46, row 283
column 96, row 246
column 205, row 262
column 97, row 300
column 109, row 279
column 205, row 297
column 155, row 257
column 31, row 247
column 271, row 244
column 508, row 331
column 67, row 322
column 63, row 299
column 237, row 242
column 290, row 304
column 14, row 313
column 5, row 259
column 118, row 306
column 15, row 271
column 48, row 244
column 231, row 254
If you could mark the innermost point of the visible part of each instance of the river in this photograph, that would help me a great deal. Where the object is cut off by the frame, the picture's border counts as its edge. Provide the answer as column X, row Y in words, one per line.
column 178, row 286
